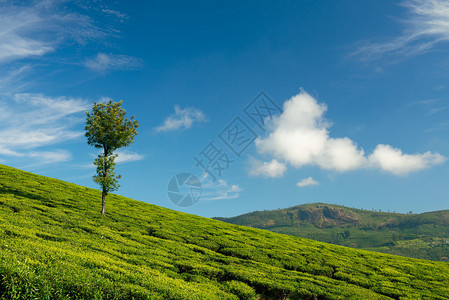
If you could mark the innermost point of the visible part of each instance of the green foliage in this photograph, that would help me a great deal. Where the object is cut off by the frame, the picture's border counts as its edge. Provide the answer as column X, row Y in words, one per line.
column 108, row 183
column 242, row 290
column 424, row 236
column 108, row 129
column 53, row 245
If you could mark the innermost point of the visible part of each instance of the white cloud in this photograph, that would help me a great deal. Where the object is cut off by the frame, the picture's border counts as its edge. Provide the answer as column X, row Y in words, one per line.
column 218, row 190
column 28, row 31
column 103, row 62
column 432, row 106
column 183, row 118
column 49, row 157
column 306, row 182
column 126, row 156
column 435, row 110
column 39, row 157
column 267, row 169
column 52, row 107
column 31, row 30
column 394, row 161
column 300, row 136
column 11, row 80
column 15, row 29
column 426, row 27
column 115, row 13
column 34, row 29
column 31, row 121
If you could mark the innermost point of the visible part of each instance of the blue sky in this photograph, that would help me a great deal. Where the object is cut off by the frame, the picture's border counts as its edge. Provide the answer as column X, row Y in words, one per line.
column 362, row 88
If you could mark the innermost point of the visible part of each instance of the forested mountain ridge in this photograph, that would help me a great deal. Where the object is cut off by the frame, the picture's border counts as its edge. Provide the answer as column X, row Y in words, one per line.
column 424, row 236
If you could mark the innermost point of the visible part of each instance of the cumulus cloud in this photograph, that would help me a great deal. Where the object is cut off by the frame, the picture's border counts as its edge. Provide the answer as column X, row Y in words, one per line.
column 300, row 136
column 426, row 26
column 183, row 118
column 394, row 161
column 103, row 62
column 273, row 168
column 306, row 182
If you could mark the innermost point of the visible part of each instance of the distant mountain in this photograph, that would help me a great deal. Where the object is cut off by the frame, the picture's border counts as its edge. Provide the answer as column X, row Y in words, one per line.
column 424, row 236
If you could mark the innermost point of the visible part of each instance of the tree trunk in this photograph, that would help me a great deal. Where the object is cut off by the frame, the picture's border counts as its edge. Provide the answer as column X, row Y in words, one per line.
column 103, row 210
column 105, row 174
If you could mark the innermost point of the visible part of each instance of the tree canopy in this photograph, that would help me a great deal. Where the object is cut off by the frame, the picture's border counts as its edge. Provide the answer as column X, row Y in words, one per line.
column 108, row 129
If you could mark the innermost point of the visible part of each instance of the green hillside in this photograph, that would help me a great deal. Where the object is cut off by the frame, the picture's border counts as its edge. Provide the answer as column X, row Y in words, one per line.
column 424, row 236
column 54, row 244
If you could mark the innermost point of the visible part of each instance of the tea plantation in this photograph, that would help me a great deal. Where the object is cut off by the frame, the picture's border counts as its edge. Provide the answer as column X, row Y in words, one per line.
column 424, row 236
column 54, row 244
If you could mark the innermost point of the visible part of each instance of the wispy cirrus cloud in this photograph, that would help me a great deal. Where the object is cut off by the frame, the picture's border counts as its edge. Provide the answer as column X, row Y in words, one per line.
column 183, row 118
column 38, row 29
column 16, row 29
column 34, row 30
column 426, row 27
column 435, row 110
column 115, row 13
column 218, row 190
column 12, row 79
column 36, row 158
column 48, row 157
column 103, row 62
column 432, row 106
column 127, row 156
column 32, row 122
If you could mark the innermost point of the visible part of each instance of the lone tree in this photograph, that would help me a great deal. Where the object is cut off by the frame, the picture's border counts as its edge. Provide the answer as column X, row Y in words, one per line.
column 108, row 129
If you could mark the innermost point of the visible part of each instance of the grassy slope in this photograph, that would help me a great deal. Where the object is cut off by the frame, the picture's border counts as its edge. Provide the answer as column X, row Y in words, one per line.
column 418, row 235
column 54, row 244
